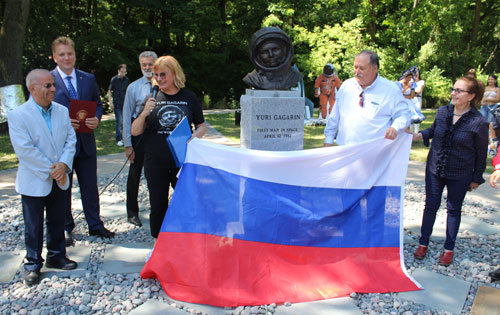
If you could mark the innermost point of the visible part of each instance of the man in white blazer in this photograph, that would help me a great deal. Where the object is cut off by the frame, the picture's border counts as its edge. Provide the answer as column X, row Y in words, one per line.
column 44, row 141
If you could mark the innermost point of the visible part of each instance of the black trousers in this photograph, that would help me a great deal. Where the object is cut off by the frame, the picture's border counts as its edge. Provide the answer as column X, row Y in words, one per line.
column 85, row 167
column 134, row 177
column 33, row 213
column 159, row 182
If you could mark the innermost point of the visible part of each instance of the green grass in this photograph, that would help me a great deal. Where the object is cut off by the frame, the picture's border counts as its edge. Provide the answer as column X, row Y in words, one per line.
column 418, row 150
column 105, row 138
column 224, row 123
column 8, row 158
column 105, row 142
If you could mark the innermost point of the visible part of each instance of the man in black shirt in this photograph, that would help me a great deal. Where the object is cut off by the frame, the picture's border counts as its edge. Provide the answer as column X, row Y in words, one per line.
column 116, row 97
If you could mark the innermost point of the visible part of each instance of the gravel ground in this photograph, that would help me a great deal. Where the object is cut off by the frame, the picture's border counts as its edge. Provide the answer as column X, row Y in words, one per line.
column 100, row 293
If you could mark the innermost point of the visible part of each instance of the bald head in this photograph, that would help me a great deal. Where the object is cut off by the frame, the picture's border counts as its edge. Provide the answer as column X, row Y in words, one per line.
column 34, row 75
column 41, row 85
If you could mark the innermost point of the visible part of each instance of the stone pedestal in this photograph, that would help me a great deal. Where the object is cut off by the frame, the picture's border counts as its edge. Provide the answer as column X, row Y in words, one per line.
column 272, row 120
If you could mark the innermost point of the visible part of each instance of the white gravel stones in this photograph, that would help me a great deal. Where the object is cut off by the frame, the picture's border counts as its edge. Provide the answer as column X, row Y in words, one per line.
column 98, row 292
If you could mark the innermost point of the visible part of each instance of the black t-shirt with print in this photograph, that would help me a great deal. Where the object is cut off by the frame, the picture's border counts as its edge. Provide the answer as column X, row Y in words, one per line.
column 167, row 114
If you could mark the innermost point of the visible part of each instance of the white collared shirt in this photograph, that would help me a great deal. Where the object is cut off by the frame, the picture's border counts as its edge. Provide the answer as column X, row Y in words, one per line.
column 73, row 78
column 383, row 106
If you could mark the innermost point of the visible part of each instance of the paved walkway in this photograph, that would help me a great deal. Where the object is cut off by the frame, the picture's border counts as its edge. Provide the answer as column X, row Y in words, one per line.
column 442, row 292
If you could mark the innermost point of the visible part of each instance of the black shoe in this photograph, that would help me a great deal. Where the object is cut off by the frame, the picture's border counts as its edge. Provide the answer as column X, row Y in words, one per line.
column 495, row 275
column 64, row 263
column 32, row 277
column 68, row 238
column 135, row 220
column 102, row 233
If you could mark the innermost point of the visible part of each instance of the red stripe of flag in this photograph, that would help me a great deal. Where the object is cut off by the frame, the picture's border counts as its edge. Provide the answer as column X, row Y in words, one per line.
column 222, row 271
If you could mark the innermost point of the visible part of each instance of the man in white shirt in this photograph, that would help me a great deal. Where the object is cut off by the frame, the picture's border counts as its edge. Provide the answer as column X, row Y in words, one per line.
column 367, row 106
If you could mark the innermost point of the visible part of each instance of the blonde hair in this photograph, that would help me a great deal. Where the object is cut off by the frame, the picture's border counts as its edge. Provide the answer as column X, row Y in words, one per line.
column 174, row 66
column 62, row 40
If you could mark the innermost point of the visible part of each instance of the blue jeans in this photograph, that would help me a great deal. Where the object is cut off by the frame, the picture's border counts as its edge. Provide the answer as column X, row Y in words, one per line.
column 488, row 112
column 119, row 123
column 434, row 186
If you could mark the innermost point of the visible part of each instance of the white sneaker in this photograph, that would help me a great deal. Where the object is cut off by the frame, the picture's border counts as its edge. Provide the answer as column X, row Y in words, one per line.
column 119, row 143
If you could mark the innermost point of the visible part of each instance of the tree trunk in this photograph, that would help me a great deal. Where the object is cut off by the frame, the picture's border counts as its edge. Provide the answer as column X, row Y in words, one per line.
column 415, row 3
column 372, row 27
column 452, row 69
column 223, row 16
column 166, row 42
column 222, row 9
column 410, row 28
column 151, row 20
column 490, row 58
column 15, row 18
column 475, row 24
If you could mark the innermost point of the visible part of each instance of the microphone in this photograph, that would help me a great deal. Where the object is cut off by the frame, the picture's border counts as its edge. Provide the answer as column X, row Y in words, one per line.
column 156, row 88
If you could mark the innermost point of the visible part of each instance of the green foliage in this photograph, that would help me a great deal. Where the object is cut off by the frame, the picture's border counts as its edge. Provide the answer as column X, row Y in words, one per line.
column 335, row 44
column 391, row 63
column 210, row 37
column 437, row 88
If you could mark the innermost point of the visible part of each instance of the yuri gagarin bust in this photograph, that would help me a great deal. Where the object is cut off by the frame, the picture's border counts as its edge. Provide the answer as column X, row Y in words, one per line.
column 271, row 52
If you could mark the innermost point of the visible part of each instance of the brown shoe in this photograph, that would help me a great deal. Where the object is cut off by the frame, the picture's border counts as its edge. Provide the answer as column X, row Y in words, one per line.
column 446, row 258
column 420, row 252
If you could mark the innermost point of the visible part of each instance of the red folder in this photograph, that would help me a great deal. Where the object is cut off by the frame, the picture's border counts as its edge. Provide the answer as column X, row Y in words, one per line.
column 81, row 110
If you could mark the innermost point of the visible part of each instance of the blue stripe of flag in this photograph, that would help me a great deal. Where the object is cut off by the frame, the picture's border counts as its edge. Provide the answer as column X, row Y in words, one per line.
column 212, row 201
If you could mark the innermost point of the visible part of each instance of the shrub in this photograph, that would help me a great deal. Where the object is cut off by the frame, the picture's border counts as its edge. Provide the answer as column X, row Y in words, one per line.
column 437, row 88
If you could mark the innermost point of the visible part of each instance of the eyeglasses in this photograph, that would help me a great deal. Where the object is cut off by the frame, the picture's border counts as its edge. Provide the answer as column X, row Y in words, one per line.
column 47, row 85
column 160, row 75
column 361, row 98
column 458, row 91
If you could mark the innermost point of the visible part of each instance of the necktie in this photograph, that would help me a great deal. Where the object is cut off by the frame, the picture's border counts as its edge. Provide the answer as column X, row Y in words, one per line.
column 71, row 89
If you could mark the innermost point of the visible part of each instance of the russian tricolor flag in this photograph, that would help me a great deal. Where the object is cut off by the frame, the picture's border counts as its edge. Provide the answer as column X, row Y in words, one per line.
column 249, row 227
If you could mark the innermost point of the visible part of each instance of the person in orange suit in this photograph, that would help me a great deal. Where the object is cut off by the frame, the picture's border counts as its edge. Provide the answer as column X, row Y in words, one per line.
column 324, row 87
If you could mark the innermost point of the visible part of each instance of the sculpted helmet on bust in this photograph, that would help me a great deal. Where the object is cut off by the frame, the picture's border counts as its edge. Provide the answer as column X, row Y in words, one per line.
column 271, row 52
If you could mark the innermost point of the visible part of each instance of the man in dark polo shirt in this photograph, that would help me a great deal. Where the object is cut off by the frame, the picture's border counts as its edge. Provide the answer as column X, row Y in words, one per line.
column 116, row 97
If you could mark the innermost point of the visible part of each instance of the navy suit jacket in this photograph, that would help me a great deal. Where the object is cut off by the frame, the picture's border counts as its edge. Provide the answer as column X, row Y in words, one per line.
column 87, row 91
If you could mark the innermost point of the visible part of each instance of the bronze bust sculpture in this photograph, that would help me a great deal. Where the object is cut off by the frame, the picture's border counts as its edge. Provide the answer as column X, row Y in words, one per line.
column 271, row 52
